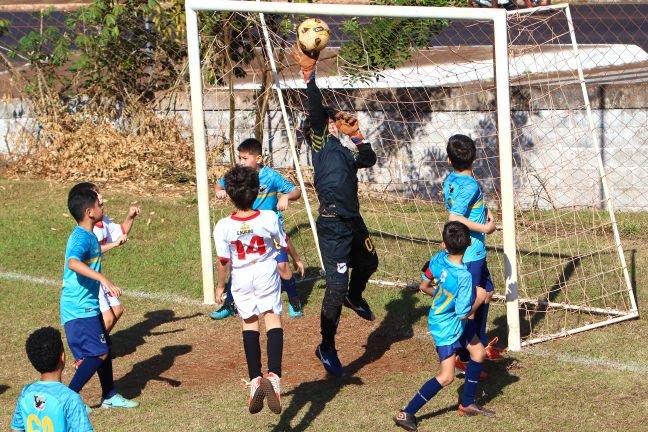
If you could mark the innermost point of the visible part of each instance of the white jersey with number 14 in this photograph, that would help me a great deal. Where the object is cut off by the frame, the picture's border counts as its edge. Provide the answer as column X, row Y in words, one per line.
column 246, row 241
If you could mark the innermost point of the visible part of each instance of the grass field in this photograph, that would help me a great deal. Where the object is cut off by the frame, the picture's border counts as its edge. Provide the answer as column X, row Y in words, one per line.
column 186, row 370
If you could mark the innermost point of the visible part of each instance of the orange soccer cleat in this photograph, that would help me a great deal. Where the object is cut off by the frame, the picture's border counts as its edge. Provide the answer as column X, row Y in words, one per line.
column 494, row 353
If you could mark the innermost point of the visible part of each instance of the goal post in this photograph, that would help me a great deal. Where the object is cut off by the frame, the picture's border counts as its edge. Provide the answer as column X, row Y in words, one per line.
column 513, row 81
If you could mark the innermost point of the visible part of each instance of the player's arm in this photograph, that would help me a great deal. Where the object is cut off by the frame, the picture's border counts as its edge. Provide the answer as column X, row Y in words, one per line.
column 463, row 308
column 289, row 191
column 292, row 251
column 79, row 267
column 316, row 114
column 223, row 267
column 426, row 286
column 133, row 212
column 220, row 189
column 349, row 125
column 108, row 246
column 487, row 228
column 224, row 256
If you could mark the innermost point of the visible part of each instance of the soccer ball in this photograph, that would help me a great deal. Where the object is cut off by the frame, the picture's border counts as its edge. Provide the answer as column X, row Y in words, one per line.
column 313, row 35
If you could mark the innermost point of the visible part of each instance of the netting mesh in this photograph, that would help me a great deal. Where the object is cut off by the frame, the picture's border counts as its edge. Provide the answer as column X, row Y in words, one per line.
column 570, row 273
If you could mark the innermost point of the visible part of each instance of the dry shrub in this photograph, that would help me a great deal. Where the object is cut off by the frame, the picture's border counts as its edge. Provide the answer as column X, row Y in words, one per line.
column 72, row 146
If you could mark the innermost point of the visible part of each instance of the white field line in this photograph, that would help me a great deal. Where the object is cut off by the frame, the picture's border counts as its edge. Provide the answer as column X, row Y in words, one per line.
column 170, row 298
column 564, row 358
column 535, row 351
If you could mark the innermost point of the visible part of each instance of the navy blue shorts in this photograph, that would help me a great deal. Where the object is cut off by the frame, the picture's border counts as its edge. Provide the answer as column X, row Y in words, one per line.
column 469, row 331
column 480, row 275
column 87, row 337
column 282, row 256
column 446, row 351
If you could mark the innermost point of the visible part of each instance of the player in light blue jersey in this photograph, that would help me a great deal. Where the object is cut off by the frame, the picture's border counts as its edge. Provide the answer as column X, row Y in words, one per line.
column 271, row 184
column 47, row 404
column 465, row 203
column 449, row 282
column 80, row 315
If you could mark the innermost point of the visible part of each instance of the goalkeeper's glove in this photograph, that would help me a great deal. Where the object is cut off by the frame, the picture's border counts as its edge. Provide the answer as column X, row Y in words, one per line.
column 348, row 125
column 306, row 62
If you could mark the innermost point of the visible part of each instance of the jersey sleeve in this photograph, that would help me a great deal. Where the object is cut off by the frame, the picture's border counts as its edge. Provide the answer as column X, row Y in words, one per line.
column 115, row 230
column 426, row 273
column 75, row 414
column 77, row 249
column 463, row 303
column 282, row 185
column 221, row 181
column 316, row 116
column 464, row 197
column 18, row 422
column 220, row 239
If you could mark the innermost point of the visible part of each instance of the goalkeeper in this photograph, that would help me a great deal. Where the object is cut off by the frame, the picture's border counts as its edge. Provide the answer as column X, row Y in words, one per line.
column 343, row 236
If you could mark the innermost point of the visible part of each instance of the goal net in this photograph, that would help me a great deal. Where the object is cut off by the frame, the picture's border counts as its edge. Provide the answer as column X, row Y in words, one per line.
column 413, row 83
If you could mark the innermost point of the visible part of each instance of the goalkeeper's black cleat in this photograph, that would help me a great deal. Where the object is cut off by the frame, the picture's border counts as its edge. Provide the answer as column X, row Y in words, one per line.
column 361, row 307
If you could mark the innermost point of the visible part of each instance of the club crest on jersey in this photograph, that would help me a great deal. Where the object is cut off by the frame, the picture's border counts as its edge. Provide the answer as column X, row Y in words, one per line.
column 245, row 229
column 451, row 188
column 39, row 402
column 341, row 267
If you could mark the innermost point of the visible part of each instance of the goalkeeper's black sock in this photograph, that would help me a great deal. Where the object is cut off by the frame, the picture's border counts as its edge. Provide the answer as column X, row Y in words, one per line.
column 275, row 350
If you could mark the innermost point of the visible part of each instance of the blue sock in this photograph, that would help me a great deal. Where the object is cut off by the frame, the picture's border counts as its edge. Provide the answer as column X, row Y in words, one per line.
column 472, row 379
column 481, row 317
column 426, row 393
column 105, row 373
column 85, row 372
column 228, row 290
column 290, row 286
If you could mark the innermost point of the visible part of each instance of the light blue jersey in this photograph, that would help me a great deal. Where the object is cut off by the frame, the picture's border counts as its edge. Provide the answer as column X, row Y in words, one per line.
column 463, row 197
column 80, row 295
column 270, row 184
column 50, row 406
column 451, row 299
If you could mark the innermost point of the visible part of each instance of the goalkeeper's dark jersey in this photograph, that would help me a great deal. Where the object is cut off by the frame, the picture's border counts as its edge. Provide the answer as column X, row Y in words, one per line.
column 335, row 166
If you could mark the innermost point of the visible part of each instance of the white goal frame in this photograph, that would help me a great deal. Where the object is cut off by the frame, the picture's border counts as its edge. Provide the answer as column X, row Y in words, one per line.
column 501, row 63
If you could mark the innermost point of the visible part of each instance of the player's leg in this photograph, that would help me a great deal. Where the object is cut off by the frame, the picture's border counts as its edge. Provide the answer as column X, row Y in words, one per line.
column 107, row 314
column 364, row 261
column 492, row 352
column 335, row 240
column 289, row 284
column 406, row 418
column 267, row 292
column 243, row 293
column 477, row 355
column 461, row 364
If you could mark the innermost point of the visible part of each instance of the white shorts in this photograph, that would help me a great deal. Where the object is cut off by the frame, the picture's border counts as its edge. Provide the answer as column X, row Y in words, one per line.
column 106, row 301
column 257, row 289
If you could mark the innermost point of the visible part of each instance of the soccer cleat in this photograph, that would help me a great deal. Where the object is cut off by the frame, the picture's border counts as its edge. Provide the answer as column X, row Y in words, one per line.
column 361, row 307
column 494, row 353
column 475, row 410
column 295, row 307
column 272, row 389
column 225, row 311
column 119, row 401
column 406, row 420
column 460, row 369
column 330, row 360
column 255, row 402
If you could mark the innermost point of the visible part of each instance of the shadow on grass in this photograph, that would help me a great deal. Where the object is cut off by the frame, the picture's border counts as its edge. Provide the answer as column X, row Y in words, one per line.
column 498, row 378
column 305, row 288
column 4, row 388
column 132, row 384
column 397, row 326
column 126, row 341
